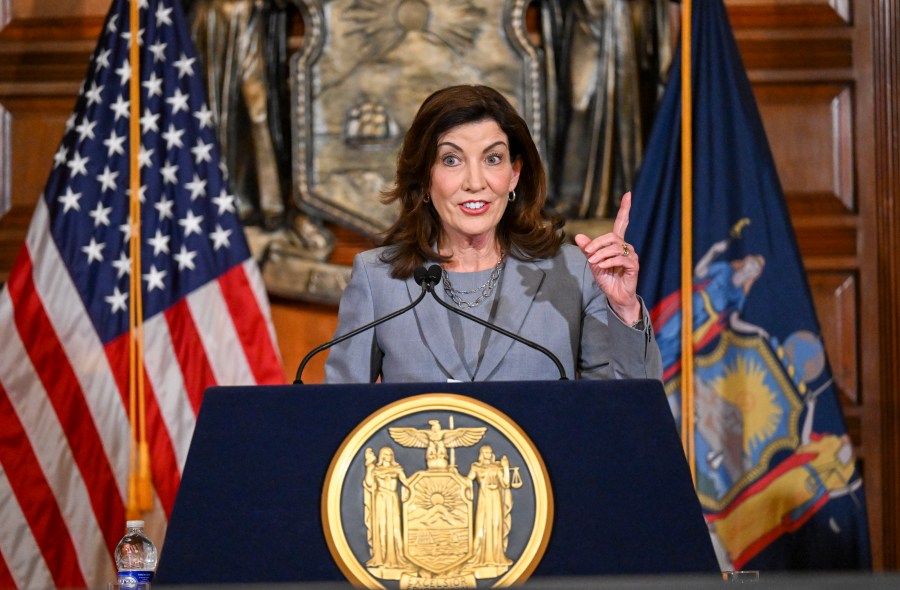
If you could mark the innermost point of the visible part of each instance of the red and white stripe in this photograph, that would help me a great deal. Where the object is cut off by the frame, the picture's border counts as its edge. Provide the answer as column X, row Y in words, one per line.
column 64, row 430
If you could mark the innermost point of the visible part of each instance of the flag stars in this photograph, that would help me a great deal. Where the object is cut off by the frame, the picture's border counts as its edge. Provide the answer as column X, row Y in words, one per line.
column 142, row 193
column 164, row 207
column 121, row 107
column 70, row 122
column 115, row 144
column 173, row 137
column 160, row 243
column 185, row 259
column 158, row 50
column 145, row 157
column 70, row 200
column 154, row 279
column 118, row 301
column 153, row 85
column 191, row 224
column 103, row 59
column 179, row 101
column 169, row 173
column 124, row 72
column 148, row 121
column 100, row 215
column 163, row 15
column 85, row 129
column 224, row 202
column 94, row 94
column 94, row 251
column 60, row 157
column 205, row 116
column 78, row 164
column 197, row 187
column 185, row 66
column 127, row 36
column 202, row 151
column 123, row 264
column 220, row 237
column 107, row 179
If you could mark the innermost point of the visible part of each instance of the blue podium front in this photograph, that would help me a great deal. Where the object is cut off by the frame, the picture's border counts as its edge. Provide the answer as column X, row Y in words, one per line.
column 249, row 509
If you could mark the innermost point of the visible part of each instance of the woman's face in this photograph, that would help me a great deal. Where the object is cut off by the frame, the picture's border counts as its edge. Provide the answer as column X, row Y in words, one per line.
column 471, row 180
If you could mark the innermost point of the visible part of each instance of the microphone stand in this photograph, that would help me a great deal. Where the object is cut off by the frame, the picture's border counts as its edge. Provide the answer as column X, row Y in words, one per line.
column 429, row 286
column 425, row 278
column 428, row 279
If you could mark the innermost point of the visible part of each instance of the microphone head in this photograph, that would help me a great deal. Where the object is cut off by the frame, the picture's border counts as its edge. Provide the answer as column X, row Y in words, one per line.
column 433, row 275
column 419, row 274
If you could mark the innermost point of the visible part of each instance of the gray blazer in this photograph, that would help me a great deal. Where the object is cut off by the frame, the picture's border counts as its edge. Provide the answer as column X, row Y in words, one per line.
column 553, row 302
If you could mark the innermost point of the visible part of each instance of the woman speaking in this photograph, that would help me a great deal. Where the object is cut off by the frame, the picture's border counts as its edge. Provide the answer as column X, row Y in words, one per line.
column 471, row 189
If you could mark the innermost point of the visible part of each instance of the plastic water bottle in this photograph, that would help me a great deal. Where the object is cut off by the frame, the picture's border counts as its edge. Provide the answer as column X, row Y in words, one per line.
column 135, row 556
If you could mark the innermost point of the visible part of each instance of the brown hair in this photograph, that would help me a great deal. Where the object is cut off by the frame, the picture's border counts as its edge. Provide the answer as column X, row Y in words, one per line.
column 526, row 230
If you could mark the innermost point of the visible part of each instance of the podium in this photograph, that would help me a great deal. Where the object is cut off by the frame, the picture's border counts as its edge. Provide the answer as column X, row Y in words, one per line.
column 249, row 506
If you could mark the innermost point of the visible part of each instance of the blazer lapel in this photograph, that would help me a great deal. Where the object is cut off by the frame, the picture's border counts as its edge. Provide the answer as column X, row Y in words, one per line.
column 434, row 325
column 520, row 284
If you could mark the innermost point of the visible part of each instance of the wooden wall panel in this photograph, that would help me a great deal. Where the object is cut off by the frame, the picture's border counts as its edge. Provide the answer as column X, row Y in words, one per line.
column 35, row 127
column 813, row 123
column 882, row 242
column 788, row 13
column 835, row 296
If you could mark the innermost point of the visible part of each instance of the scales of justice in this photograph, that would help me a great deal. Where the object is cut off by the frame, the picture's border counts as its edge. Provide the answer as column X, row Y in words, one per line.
column 438, row 525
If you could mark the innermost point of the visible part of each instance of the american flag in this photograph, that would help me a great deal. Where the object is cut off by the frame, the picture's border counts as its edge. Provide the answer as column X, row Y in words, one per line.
column 64, row 313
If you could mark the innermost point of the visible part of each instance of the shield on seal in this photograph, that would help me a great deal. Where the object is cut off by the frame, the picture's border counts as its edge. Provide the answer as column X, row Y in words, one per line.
column 437, row 520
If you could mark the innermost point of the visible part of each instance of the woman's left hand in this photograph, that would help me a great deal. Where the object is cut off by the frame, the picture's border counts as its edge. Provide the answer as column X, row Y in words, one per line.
column 615, row 265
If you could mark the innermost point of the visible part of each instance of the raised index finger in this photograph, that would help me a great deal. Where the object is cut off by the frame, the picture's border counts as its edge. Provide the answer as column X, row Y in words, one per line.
column 621, row 222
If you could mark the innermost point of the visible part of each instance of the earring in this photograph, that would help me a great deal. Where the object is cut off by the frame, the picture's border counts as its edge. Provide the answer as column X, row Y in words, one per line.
column 512, row 196
column 427, row 198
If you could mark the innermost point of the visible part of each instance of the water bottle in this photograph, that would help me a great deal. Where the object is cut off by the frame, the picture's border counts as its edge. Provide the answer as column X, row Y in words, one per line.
column 135, row 556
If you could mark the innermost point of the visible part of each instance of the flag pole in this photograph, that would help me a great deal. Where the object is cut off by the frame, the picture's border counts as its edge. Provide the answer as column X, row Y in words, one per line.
column 687, row 265
column 139, row 495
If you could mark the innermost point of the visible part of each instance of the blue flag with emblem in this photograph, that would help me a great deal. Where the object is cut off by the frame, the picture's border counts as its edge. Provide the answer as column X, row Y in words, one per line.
column 776, row 472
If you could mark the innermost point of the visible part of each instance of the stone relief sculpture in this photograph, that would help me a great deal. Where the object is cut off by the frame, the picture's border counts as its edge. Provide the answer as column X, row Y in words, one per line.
column 586, row 84
column 610, row 58
column 242, row 45
column 364, row 68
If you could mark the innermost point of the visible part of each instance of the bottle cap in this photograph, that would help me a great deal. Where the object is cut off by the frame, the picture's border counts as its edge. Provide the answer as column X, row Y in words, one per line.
column 134, row 524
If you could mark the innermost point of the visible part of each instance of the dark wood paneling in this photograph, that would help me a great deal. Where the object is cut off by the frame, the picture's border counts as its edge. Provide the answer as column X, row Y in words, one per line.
column 788, row 13
column 793, row 53
column 884, row 316
column 835, row 296
column 35, row 129
column 810, row 126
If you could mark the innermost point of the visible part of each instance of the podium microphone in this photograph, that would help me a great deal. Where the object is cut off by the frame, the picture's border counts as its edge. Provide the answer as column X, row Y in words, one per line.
column 429, row 286
column 427, row 278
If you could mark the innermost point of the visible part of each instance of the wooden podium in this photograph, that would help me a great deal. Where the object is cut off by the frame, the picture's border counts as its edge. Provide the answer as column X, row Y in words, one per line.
column 249, row 506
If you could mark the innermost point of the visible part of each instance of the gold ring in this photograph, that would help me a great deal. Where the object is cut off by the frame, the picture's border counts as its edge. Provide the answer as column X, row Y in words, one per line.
column 625, row 249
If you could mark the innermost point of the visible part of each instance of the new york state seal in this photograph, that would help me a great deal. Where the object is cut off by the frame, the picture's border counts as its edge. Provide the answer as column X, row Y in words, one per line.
column 437, row 491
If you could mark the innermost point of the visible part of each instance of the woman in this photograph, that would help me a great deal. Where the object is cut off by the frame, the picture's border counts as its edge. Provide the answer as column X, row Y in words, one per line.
column 381, row 484
column 492, row 513
column 471, row 189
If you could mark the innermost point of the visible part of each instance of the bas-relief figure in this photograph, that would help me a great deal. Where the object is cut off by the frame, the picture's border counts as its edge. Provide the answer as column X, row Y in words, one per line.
column 588, row 86
column 366, row 66
column 610, row 59
column 242, row 45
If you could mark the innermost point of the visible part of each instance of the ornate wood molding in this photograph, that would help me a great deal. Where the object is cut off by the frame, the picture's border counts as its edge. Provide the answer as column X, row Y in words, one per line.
column 886, row 75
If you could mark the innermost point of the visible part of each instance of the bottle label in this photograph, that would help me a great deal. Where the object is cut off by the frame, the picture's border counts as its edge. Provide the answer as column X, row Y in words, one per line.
column 131, row 578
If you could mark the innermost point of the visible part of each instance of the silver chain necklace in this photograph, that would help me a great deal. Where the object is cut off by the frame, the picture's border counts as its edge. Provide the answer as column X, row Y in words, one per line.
column 485, row 290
